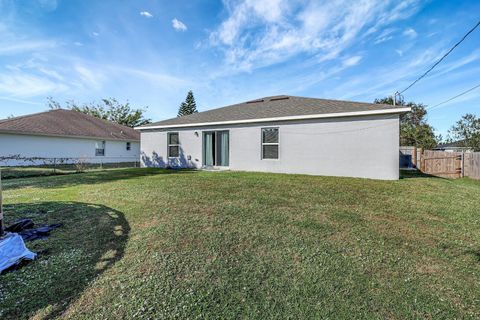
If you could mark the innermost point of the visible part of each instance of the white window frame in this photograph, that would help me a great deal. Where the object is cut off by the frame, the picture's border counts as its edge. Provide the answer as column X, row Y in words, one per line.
column 270, row 144
column 103, row 144
column 128, row 146
column 173, row 145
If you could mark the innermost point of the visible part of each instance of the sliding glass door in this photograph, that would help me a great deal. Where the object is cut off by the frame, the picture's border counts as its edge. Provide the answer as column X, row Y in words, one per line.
column 208, row 149
column 216, row 149
column 222, row 148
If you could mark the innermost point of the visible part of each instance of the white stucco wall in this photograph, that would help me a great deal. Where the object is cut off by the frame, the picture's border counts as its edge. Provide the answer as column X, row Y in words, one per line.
column 366, row 147
column 28, row 146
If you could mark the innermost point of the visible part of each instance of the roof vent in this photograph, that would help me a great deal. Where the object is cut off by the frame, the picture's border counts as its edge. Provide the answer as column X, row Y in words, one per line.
column 279, row 98
column 256, row 101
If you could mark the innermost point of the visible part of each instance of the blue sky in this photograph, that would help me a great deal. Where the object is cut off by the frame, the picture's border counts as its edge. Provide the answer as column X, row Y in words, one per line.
column 152, row 52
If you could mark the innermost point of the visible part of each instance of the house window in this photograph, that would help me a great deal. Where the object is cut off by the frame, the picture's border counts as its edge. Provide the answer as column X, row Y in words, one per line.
column 100, row 148
column 269, row 143
column 173, row 145
column 129, row 146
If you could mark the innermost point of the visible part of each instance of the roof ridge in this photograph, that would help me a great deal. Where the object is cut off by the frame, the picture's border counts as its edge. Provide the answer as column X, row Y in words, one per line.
column 340, row 100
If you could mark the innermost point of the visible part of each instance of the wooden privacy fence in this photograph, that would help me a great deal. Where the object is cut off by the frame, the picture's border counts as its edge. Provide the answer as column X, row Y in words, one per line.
column 472, row 165
column 442, row 164
column 450, row 164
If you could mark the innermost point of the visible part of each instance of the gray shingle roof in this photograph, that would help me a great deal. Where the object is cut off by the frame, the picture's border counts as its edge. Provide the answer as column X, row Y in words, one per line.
column 60, row 122
column 453, row 144
column 272, row 107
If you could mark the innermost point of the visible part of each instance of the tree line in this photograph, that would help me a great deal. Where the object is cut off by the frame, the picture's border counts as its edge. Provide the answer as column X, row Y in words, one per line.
column 122, row 113
column 415, row 130
column 107, row 109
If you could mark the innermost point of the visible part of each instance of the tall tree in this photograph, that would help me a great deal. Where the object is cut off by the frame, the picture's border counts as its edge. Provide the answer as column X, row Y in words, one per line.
column 467, row 132
column 414, row 129
column 108, row 109
column 188, row 106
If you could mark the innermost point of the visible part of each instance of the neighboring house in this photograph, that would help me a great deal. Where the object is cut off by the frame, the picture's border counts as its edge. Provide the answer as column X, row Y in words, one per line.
column 65, row 136
column 455, row 146
column 281, row 134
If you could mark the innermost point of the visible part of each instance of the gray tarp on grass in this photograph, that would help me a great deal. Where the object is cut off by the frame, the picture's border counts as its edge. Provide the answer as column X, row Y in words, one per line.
column 13, row 251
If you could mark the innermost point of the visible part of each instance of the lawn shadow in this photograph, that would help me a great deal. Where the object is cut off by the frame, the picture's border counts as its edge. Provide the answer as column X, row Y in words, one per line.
column 474, row 253
column 414, row 174
column 73, row 179
column 92, row 240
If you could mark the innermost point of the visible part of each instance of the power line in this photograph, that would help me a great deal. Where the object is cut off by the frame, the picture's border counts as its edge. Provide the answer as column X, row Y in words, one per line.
column 441, row 59
column 455, row 97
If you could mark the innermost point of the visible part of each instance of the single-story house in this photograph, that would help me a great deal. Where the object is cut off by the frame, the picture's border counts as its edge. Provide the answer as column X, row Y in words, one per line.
column 65, row 136
column 454, row 146
column 283, row 134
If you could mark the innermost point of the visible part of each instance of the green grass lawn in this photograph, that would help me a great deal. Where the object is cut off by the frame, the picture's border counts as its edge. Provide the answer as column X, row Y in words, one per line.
column 152, row 244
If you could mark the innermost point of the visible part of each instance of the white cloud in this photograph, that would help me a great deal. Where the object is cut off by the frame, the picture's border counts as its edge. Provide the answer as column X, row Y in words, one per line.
column 49, row 5
column 178, row 25
column 35, row 66
column 261, row 33
column 388, row 78
column 89, row 78
column 409, row 32
column 95, row 34
column 78, row 44
column 247, row 12
column 302, row 82
column 20, row 101
column 28, row 85
column 157, row 78
column 15, row 47
column 39, row 77
column 448, row 68
column 352, row 61
column 385, row 35
column 146, row 14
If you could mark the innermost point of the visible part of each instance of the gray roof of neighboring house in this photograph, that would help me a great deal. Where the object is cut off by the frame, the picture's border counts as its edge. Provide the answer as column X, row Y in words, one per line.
column 67, row 123
column 273, row 107
column 453, row 144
